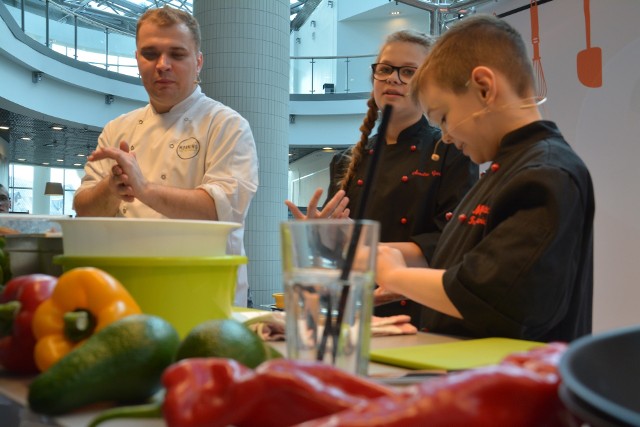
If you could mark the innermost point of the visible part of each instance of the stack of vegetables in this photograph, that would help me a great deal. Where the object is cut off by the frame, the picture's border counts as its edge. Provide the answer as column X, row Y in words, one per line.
column 85, row 336
column 87, row 341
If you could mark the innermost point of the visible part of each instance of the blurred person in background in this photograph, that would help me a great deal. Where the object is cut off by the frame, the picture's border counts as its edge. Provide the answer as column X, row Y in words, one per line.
column 5, row 200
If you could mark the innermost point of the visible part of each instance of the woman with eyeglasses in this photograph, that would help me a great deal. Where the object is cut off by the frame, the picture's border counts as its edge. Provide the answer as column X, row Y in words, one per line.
column 418, row 179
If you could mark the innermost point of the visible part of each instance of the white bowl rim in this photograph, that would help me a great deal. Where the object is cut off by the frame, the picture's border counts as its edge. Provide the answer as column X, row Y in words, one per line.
column 146, row 220
column 32, row 217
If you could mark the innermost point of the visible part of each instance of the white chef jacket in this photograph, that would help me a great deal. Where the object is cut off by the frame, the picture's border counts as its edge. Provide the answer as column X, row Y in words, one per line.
column 199, row 143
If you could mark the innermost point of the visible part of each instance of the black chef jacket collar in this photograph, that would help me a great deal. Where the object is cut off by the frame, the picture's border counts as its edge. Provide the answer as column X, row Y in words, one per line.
column 527, row 134
column 407, row 135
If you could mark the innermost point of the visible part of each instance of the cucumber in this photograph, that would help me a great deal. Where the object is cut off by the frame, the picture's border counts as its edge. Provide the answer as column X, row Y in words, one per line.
column 121, row 363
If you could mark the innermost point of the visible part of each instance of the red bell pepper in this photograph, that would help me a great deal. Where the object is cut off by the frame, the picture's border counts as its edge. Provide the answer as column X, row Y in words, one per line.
column 215, row 392
column 521, row 391
column 209, row 392
column 18, row 301
column 299, row 391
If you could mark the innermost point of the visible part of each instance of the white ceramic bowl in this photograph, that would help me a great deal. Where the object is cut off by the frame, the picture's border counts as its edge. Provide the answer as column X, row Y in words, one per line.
column 142, row 237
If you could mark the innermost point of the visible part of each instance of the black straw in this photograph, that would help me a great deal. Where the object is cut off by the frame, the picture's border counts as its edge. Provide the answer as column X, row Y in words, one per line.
column 329, row 328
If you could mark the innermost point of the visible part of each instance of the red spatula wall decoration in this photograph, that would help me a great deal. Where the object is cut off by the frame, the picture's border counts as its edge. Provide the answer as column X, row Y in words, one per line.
column 589, row 60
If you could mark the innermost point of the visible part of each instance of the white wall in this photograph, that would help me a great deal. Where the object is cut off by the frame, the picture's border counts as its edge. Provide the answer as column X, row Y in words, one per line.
column 366, row 36
column 318, row 39
column 322, row 131
column 305, row 176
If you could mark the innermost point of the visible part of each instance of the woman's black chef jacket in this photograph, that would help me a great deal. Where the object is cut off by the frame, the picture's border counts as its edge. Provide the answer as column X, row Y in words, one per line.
column 518, row 251
column 412, row 192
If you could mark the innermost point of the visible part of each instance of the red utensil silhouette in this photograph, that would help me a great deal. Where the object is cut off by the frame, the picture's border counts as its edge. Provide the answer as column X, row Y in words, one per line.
column 541, row 84
column 589, row 60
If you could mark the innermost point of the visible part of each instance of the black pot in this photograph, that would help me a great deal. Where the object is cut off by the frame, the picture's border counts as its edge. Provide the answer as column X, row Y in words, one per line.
column 601, row 378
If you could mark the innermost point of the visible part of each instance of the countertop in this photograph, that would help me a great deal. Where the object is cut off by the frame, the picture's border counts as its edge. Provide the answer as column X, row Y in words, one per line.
column 13, row 390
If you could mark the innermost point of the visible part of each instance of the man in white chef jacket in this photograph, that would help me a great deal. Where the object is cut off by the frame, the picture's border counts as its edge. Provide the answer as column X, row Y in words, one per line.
column 184, row 155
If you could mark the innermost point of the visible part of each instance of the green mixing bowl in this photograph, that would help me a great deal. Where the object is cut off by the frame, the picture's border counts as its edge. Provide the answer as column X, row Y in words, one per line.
column 185, row 291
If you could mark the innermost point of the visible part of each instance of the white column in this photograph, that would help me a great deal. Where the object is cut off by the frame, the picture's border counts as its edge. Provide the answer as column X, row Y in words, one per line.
column 41, row 203
column 246, row 66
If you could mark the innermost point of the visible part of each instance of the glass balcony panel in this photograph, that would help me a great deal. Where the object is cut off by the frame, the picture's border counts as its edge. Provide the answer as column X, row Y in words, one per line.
column 14, row 8
column 92, row 47
column 298, row 68
column 35, row 25
column 122, row 49
column 330, row 74
column 357, row 73
column 61, row 32
column 324, row 74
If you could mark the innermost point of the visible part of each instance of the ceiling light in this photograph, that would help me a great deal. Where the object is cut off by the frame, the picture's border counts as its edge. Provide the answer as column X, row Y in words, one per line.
column 26, row 138
column 395, row 13
column 290, row 154
column 57, row 127
column 77, row 164
column 80, row 155
column 45, row 163
column 59, row 160
column 22, row 160
column 4, row 127
column 327, row 148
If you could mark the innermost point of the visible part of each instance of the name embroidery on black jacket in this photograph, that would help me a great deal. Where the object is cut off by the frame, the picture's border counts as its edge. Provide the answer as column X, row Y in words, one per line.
column 479, row 215
column 432, row 173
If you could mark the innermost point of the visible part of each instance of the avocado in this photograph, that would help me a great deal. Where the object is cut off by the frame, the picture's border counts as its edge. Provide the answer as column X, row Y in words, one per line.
column 227, row 338
column 121, row 363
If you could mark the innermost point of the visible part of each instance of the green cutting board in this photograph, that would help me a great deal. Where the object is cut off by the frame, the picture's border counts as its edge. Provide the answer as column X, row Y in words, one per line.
column 452, row 356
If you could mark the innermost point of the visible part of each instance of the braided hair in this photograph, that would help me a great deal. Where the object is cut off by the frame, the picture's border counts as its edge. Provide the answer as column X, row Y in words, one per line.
column 407, row 36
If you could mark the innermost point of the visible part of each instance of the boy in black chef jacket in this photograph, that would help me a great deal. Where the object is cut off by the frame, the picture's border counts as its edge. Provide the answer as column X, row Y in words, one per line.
column 516, row 258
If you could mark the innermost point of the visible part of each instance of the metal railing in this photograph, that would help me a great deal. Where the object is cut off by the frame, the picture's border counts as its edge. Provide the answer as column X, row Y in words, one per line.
column 75, row 36
column 108, row 48
column 330, row 74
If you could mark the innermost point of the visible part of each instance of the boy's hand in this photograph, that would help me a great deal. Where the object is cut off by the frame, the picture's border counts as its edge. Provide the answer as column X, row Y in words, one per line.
column 388, row 261
column 382, row 296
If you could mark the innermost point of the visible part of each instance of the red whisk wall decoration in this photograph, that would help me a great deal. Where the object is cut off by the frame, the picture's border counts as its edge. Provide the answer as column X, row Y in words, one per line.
column 541, row 84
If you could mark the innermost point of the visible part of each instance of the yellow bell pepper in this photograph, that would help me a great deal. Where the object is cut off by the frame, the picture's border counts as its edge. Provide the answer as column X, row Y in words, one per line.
column 84, row 301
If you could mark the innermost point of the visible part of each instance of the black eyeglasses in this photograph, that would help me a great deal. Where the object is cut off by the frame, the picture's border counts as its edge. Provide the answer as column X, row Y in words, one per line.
column 383, row 71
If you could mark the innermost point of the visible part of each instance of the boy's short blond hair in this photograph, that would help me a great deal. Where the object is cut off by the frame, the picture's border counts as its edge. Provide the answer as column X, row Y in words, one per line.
column 168, row 16
column 479, row 40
